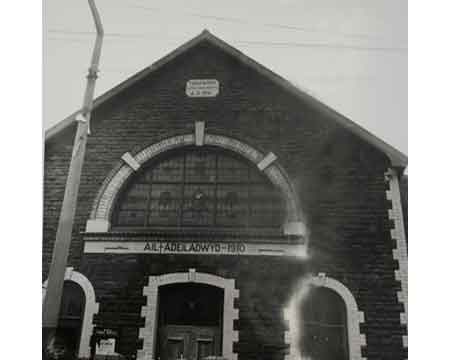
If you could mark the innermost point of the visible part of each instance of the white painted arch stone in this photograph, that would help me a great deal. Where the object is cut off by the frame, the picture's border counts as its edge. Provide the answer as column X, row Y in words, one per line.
column 355, row 318
column 90, row 308
column 101, row 213
column 150, row 310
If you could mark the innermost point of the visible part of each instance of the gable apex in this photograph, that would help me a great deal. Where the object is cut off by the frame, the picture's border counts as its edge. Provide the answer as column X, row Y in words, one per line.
column 397, row 158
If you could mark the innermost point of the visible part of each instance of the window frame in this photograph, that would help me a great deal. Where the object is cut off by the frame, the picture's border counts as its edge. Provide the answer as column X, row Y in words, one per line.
column 254, row 179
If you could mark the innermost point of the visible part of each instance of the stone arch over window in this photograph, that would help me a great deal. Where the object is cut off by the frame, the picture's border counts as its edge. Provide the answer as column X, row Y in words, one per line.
column 90, row 308
column 354, row 317
column 101, row 214
column 150, row 311
column 199, row 188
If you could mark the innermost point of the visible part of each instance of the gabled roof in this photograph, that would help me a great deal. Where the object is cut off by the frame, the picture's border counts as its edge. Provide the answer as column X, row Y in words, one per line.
column 397, row 158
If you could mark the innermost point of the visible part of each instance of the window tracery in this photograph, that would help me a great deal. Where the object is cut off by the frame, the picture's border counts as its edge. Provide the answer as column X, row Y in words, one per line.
column 199, row 188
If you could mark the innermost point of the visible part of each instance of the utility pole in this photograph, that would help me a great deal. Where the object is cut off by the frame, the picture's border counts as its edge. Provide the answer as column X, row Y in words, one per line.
column 52, row 301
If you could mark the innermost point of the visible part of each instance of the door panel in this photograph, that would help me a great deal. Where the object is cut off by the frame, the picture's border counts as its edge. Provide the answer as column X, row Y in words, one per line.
column 174, row 342
column 188, row 342
column 175, row 348
column 206, row 341
column 204, row 348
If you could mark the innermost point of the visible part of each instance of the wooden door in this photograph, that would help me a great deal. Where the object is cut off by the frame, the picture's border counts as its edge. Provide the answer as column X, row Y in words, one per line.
column 188, row 342
column 205, row 341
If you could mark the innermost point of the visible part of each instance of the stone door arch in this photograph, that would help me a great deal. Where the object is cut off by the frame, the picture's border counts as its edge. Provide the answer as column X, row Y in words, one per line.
column 355, row 318
column 150, row 311
column 90, row 308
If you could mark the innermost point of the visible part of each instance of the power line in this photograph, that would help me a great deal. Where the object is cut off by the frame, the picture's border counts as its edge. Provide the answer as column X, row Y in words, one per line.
column 247, row 42
column 74, row 32
column 271, row 25
column 322, row 45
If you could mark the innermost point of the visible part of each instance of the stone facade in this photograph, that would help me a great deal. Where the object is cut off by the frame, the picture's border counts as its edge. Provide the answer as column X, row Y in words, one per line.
column 337, row 179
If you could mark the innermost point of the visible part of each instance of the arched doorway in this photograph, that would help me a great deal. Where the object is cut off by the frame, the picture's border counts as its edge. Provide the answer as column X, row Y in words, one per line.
column 323, row 321
column 89, row 308
column 65, row 343
column 214, row 292
column 189, row 321
column 324, row 332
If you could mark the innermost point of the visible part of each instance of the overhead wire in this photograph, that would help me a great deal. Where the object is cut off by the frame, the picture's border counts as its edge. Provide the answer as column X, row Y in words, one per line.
column 322, row 45
column 291, row 44
column 246, row 22
column 246, row 42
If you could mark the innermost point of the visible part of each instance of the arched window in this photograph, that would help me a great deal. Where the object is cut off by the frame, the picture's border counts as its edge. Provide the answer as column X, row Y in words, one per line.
column 324, row 335
column 199, row 187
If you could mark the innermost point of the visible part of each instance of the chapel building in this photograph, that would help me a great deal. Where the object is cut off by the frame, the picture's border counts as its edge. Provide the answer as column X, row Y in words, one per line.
column 223, row 211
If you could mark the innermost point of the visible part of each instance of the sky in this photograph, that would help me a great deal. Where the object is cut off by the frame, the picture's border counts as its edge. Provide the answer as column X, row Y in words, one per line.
column 350, row 54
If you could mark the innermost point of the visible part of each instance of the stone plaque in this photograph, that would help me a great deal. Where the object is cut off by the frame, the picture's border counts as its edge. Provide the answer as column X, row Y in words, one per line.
column 202, row 88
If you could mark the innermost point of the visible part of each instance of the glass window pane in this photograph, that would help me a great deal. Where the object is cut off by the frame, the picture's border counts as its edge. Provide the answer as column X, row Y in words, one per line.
column 200, row 167
column 231, row 170
column 170, row 170
column 198, row 205
column 131, row 218
column 136, row 197
column 265, row 211
column 232, row 205
column 165, row 204
column 255, row 175
column 144, row 176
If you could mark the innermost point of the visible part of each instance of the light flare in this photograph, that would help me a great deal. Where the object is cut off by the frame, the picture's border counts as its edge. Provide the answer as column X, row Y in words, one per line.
column 293, row 316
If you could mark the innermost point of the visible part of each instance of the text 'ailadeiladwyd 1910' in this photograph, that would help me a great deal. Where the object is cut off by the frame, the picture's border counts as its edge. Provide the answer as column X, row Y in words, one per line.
column 194, row 248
